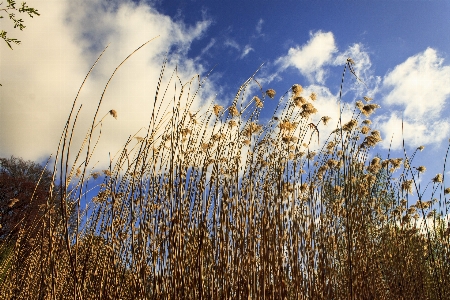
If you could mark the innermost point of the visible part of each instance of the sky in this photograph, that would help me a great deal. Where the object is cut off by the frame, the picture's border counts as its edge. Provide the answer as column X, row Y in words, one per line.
column 400, row 48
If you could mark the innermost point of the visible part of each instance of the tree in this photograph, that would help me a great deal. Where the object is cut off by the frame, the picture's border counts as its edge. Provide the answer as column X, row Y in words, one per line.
column 10, row 9
column 24, row 189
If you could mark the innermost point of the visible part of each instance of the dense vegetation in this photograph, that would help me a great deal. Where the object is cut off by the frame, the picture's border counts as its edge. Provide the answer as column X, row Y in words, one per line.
column 218, row 205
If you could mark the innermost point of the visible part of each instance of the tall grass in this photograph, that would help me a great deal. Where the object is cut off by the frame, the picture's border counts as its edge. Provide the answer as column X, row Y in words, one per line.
column 217, row 205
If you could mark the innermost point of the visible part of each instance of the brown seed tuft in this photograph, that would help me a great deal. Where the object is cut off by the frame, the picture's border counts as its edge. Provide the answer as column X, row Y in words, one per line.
column 271, row 93
column 233, row 111
column 113, row 113
column 437, row 178
column 325, row 120
column 297, row 89
column 12, row 201
column 217, row 109
column 258, row 102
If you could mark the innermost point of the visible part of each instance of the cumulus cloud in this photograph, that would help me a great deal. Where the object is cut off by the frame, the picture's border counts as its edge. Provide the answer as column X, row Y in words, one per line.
column 418, row 89
column 310, row 58
column 415, row 132
column 421, row 85
column 41, row 77
column 314, row 58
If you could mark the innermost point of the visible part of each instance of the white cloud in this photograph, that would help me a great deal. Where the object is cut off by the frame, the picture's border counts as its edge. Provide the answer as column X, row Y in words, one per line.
column 314, row 58
column 259, row 26
column 246, row 51
column 310, row 58
column 362, row 68
column 419, row 88
column 232, row 43
column 41, row 77
column 415, row 133
column 209, row 46
column 421, row 85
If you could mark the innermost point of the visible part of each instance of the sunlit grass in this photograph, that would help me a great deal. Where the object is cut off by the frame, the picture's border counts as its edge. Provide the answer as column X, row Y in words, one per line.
column 218, row 205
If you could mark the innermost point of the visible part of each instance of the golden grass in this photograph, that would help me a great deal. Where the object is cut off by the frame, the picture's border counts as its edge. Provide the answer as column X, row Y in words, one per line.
column 221, row 206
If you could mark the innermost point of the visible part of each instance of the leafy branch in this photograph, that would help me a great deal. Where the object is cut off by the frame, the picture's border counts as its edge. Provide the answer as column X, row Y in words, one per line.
column 10, row 10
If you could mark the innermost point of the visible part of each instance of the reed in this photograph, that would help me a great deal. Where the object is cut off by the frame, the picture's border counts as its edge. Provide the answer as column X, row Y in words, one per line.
column 217, row 205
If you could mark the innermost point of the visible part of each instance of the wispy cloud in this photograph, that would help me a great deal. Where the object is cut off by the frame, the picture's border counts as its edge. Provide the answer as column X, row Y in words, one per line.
column 417, row 90
column 259, row 26
column 246, row 51
column 232, row 43
column 211, row 43
column 362, row 67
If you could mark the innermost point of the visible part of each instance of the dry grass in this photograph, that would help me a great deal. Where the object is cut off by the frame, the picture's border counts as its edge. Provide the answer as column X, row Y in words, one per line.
column 217, row 205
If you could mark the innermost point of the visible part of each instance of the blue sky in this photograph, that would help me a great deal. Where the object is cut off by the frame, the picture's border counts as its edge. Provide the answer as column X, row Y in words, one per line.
column 401, row 50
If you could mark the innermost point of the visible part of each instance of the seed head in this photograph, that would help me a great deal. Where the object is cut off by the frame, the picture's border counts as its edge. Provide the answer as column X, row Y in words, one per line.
column 270, row 93
column 325, row 120
column 349, row 125
column 407, row 186
column 217, row 137
column 289, row 138
column 311, row 155
column 217, row 109
column 258, row 102
column 365, row 130
column 332, row 163
column 299, row 101
column 287, row 126
column 113, row 113
column 437, row 178
column 367, row 98
column 232, row 123
column 192, row 117
column 368, row 109
column 313, row 96
column 308, row 109
column 297, row 89
column 303, row 187
column 372, row 139
column 205, row 146
column 233, row 111
column 12, row 201
column 420, row 148
column 185, row 132
column 251, row 128
column 421, row 169
column 337, row 189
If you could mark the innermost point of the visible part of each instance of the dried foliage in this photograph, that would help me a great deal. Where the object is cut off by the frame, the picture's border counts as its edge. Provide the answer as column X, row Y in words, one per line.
column 226, row 207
